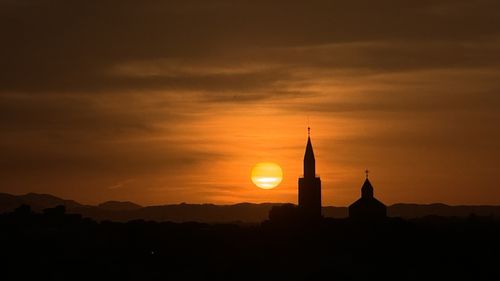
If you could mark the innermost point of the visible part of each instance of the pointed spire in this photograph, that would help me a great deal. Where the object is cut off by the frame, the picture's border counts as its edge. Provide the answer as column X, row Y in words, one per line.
column 309, row 161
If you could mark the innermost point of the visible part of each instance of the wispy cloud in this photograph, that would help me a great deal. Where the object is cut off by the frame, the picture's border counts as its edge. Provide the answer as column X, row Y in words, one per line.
column 178, row 94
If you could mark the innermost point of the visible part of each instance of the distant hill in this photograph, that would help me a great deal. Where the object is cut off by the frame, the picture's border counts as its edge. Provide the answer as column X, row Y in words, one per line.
column 439, row 209
column 242, row 212
column 119, row 206
column 37, row 201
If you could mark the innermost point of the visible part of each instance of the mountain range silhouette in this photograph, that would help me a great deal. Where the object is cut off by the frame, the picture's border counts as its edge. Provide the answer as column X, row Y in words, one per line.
column 211, row 213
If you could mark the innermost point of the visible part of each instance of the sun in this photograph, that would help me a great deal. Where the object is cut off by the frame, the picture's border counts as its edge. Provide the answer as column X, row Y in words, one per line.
column 267, row 175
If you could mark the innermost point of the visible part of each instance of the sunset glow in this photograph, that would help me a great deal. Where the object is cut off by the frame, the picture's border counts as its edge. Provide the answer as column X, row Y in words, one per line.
column 175, row 101
column 237, row 139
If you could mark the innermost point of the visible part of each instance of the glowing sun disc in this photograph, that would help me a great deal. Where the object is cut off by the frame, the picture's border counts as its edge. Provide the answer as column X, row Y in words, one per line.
column 267, row 175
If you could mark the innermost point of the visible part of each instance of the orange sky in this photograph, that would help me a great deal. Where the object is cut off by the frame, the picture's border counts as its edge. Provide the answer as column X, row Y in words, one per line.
column 174, row 102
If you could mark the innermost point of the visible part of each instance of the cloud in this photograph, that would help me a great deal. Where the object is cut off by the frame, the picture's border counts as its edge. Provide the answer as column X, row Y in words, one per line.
column 93, row 92
column 120, row 184
column 58, row 46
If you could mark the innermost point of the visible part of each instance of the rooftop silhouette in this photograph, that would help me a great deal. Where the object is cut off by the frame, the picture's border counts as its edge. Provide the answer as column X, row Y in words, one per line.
column 367, row 207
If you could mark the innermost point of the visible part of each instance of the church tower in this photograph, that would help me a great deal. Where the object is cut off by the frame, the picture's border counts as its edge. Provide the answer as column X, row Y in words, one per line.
column 309, row 184
column 367, row 207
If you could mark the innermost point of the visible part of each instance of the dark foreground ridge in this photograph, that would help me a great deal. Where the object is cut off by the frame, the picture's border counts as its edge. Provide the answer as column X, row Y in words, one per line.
column 54, row 245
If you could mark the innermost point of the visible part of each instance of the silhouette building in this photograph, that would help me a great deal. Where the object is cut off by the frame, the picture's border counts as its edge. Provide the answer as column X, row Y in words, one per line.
column 310, row 184
column 367, row 207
